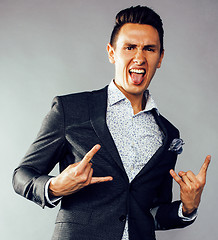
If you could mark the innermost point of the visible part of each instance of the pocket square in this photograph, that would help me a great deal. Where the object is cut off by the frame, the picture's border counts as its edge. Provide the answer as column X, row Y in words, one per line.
column 176, row 145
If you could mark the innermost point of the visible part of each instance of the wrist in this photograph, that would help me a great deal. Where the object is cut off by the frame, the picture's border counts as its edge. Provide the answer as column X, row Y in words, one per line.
column 52, row 190
column 188, row 211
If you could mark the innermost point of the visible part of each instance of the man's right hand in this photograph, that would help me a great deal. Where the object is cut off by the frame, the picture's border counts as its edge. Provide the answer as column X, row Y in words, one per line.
column 76, row 176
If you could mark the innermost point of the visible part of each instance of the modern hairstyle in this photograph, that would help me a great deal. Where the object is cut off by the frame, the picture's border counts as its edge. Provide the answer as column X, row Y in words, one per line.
column 140, row 15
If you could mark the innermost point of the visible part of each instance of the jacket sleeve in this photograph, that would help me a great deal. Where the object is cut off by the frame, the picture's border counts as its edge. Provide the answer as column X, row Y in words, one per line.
column 46, row 151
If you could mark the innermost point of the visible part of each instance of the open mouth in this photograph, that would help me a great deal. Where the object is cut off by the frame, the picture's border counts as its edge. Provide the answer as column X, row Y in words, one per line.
column 137, row 75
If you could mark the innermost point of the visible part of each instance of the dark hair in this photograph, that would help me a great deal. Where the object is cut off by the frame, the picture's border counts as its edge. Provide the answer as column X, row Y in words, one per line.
column 140, row 15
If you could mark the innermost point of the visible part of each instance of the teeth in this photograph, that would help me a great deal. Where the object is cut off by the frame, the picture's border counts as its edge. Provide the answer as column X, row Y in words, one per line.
column 137, row 71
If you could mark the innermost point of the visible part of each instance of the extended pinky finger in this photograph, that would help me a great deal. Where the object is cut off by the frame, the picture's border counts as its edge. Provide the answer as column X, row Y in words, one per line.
column 101, row 179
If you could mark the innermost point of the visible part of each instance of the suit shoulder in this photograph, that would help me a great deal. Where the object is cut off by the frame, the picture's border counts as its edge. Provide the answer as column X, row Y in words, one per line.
column 78, row 98
column 76, row 105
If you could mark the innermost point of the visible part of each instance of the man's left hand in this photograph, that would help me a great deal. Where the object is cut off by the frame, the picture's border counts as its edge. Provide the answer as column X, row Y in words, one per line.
column 191, row 186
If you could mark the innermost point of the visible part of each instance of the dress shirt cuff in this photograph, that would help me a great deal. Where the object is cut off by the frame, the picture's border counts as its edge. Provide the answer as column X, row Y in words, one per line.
column 191, row 217
column 53, row 201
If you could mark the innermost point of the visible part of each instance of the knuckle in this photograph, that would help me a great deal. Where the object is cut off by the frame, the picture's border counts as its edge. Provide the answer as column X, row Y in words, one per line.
column 87, row 157
column 77, row 172
column 83, row 178
column 199, row 185
column 189, row 190
column 189, row 173
column 88, row 181
column 179, row 181
column 182, row 174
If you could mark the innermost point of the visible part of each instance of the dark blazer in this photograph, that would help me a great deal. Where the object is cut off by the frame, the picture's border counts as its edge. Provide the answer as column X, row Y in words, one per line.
column 74, row 125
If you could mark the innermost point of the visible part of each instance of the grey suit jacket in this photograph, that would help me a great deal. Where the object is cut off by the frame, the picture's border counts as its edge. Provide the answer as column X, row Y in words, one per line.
column 74, row 125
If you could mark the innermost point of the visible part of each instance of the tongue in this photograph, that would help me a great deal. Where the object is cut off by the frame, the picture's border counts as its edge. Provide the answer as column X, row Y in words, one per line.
column 137, row 78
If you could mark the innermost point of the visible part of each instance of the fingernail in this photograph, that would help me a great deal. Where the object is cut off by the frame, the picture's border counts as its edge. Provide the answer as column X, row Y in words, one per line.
column 98, row 147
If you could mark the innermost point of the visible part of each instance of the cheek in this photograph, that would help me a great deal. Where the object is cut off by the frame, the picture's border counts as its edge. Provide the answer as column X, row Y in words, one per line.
column 154, row 63
column 121, row 65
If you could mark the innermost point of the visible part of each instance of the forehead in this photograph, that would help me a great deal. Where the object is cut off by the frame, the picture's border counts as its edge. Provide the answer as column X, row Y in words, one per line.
column 138, row 34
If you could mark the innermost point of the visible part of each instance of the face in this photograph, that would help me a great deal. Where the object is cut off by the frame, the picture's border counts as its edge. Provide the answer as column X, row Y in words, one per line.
column 136, row 57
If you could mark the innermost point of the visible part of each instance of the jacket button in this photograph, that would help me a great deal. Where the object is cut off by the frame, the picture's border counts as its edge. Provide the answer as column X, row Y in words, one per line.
column 122, row 218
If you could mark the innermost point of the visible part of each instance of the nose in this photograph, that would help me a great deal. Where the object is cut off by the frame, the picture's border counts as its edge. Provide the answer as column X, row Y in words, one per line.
column 139, row 58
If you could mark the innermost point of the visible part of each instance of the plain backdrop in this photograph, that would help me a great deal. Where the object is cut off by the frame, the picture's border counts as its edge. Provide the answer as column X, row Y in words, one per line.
column 56, row 47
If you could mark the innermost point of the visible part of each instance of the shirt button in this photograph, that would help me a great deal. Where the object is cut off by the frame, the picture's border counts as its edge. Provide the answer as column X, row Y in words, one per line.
column 122, row 218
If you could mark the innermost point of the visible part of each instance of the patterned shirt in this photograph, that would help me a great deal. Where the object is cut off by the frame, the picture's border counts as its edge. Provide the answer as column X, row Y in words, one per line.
column 137, row 137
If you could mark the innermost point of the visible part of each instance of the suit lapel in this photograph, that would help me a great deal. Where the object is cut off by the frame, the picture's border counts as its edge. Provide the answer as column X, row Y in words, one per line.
column 97, row 107
column 157, row 156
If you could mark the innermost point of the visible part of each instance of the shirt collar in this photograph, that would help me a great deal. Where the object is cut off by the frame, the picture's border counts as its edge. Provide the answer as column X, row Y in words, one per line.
column 115, row 96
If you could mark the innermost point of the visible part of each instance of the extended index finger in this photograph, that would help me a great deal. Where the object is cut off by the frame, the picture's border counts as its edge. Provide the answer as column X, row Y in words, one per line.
column 205, row 165
column 89, row 155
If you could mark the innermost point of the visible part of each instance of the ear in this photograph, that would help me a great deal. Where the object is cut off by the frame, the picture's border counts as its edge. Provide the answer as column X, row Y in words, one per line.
column 160, row 60
column 110, row 51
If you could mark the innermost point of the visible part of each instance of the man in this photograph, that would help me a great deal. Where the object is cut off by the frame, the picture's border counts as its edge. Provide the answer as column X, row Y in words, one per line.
column 122, row 187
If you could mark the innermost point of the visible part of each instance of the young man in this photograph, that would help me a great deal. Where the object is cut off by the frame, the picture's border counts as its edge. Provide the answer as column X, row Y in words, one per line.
column 122, row 187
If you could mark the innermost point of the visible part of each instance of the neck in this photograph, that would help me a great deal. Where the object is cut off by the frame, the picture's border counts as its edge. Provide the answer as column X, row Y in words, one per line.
column 138, row 102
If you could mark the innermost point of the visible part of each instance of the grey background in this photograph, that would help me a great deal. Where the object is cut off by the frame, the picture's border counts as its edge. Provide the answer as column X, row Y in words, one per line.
column 55, row 47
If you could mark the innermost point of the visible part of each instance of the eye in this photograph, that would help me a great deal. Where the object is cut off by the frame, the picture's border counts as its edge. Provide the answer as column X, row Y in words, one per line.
column 129, row 48
column 150, row 49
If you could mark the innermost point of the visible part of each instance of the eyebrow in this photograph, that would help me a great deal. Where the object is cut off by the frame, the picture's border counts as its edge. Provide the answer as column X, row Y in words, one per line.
column 130, row 44
column 150, row 46
column 145, row 46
